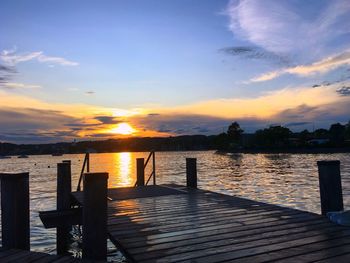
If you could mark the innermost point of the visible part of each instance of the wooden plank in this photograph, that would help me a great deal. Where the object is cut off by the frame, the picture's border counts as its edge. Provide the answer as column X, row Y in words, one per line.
column 201, row 226
column 338, row 259
column 217, row 233
column 302, row 250
column 17, row 255
column 186, row 215
column 194, row 219
column 6, row 252
column 242, row 249
column 54, row 258
column 125, row 193
column 261, row 253
column 30, row 257
column 330, row 254
column 198, row 224
column 242, row 236
column 55, row 218
column 269, row 221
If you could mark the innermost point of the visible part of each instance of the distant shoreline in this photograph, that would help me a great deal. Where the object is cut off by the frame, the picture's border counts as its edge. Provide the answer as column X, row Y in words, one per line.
column 237, row 151
column 290, row 150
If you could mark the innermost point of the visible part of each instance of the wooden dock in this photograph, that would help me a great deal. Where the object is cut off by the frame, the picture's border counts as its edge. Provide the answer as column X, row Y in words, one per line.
column 172, row 223
column 25, row 256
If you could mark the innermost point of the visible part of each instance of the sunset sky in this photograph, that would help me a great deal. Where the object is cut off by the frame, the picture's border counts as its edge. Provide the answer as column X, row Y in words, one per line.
column 115, row 68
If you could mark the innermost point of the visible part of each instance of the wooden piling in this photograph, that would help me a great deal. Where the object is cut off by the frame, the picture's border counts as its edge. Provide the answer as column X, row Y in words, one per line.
column 64, row 189
column 140, row 171
column 95, row 216
column 330, row 186
column 15, row 210
column 191, row 172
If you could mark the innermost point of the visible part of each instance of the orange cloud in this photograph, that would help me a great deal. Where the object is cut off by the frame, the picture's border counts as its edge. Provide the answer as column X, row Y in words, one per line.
column 71, row 121
column 322, row 66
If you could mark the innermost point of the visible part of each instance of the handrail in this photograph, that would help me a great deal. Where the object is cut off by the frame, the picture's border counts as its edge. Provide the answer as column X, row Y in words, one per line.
column 149, row 157
column 87, row 164
column 149, row 178
column 153, row 173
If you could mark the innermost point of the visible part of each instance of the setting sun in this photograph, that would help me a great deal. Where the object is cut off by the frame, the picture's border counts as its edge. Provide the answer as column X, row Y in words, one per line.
column 123, row 128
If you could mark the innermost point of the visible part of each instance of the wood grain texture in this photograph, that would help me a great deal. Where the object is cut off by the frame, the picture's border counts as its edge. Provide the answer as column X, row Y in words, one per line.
column 192, row 225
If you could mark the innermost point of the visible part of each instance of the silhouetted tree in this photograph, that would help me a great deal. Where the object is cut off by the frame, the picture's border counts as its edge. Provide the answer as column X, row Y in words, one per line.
column 337, row 133
column 347, row 131
column 321, row 134
column 221, row 141
column 304, row 136
column 234, row 132
column 273, row 136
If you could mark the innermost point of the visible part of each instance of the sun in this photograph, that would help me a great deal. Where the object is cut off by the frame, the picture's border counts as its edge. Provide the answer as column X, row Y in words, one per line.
column 123, row 128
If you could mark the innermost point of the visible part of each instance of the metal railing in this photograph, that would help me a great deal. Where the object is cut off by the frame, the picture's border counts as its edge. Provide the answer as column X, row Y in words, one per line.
column 153, row 173
column 86, row 164
column 152, row 155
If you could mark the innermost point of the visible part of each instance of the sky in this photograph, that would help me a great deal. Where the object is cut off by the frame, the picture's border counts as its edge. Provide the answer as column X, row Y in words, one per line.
column 83, row 70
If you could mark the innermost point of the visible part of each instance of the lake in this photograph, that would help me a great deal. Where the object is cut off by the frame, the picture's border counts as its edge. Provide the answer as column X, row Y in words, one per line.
column 284, row 179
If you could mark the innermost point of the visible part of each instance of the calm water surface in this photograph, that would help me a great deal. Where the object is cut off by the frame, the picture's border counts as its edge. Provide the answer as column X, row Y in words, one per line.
column 284, row 179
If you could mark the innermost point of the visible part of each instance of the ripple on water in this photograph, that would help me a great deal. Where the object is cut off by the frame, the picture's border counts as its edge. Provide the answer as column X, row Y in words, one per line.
column 283, row 179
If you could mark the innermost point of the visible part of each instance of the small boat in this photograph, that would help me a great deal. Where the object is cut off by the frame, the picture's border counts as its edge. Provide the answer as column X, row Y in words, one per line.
column 23, row 156
column 57, row 154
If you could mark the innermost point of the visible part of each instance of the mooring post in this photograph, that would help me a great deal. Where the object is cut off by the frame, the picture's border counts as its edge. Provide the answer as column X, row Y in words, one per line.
column 330, row 186
column 64, row 189
column 191, row 172
column 95, row 216
column 140, row 171
column 15, row 210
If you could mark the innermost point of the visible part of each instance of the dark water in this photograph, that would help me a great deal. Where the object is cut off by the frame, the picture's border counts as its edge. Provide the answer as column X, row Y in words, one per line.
column 284, row 179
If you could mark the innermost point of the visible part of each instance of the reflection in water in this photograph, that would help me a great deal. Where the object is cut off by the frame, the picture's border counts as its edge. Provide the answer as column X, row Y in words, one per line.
column 284, row 179
column 124, row 169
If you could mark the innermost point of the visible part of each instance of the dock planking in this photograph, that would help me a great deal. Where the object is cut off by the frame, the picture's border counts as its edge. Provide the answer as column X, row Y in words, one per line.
column 17, row 255
column 172, row 223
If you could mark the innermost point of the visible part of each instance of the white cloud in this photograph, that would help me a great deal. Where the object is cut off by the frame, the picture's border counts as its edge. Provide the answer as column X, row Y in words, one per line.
column 13, row 58
column 289, row 28
column 283, row 26
column 16, row 85
column 321, row 66
column 57, row 60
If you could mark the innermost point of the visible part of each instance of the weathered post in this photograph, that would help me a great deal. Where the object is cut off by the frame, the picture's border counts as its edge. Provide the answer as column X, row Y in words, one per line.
column 15, row 210
column 330, row 186
column 64, row 188
column 95, row 216
column 140, row 171
column 191, row 172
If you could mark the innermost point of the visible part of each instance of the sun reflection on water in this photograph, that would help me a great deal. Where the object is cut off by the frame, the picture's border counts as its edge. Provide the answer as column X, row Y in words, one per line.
column 124, row 168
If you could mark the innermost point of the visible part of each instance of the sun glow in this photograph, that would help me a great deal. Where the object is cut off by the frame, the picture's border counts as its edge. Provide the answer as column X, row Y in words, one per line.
column 123, row 128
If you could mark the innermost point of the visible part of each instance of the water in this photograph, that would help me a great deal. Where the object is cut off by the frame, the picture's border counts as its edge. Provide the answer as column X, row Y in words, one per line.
column 284, row 179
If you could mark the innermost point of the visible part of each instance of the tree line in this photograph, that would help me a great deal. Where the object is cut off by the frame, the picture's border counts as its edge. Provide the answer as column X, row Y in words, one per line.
column 273, row 138
column 277, row 136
